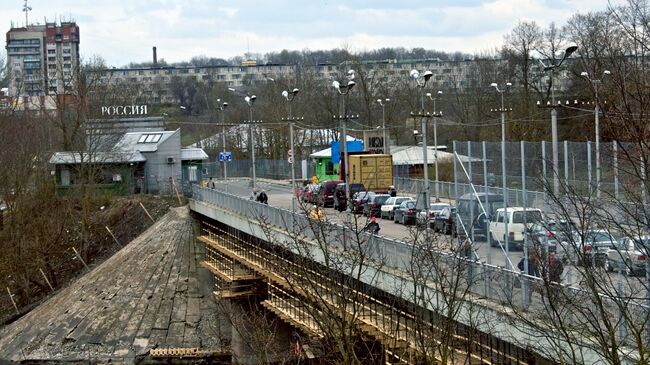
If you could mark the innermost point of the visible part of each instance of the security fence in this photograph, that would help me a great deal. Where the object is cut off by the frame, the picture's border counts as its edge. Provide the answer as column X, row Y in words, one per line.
column 265, row 169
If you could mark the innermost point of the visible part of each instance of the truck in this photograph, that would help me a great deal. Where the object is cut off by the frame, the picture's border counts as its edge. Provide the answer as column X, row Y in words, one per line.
column 374, row 171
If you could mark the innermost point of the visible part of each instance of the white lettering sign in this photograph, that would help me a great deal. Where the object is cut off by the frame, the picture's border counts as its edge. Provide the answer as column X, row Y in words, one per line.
column 124, row 110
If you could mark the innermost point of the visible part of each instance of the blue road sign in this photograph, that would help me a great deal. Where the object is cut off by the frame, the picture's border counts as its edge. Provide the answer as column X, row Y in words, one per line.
column 225, row 156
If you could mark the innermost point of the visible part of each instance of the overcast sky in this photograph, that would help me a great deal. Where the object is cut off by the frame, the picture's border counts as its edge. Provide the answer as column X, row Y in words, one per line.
column 123, row 31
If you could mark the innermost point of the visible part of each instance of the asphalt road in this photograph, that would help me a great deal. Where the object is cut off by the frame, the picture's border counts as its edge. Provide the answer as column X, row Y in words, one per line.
column 279, row 194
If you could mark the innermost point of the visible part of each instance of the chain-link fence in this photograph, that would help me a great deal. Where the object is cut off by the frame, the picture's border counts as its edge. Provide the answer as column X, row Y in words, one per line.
column 265, row 169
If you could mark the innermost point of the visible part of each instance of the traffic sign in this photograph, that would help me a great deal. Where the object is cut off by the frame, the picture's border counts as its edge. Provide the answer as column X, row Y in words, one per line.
column 290, row 159
column 225, row 156
column 290, row 153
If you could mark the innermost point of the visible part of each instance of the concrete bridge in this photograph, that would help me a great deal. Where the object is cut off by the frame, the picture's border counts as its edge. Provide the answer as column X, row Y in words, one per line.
column 412, row 299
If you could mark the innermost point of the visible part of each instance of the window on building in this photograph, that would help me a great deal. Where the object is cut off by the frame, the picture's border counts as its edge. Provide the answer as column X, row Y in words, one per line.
column 51, row 51
column 329, row 168
column 150, row 138
column 192, row 173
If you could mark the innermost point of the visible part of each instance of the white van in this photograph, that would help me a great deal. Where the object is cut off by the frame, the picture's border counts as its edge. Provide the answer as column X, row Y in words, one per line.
column 515, row 218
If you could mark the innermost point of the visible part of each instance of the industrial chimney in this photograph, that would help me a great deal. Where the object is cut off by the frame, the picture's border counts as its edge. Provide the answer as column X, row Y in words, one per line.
column 155, row 57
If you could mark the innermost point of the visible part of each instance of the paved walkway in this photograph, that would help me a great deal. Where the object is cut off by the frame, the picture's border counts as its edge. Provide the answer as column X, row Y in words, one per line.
column 148, row 295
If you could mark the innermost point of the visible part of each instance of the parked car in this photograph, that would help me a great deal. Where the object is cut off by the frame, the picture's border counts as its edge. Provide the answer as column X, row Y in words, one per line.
column 594, row 247
column 359, row 200
column 326, row 193
column 406, row 212
column 445, row 221
column 541, row 238
column 558, row 235
column 629, row 255
column 427, row 216
column 518, row 220
column 472, row 216
column 387, row 209
column 372, row 208
column 356, row 188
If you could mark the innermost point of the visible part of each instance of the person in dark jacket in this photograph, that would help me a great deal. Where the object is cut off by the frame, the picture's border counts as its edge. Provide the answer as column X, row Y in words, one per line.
column 263, row 198
column 372, row 226
column 533, row 265
column 392, row 191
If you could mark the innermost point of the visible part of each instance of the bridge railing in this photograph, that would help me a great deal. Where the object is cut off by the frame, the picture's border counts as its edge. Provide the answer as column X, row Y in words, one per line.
column 498, row 284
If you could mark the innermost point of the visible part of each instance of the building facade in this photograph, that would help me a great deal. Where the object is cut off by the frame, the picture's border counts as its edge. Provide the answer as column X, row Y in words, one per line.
column 42, row 59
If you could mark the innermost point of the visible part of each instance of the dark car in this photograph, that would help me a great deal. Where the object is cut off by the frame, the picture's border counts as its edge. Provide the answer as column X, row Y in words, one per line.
column 445, row 221
column 372, row 208
column 356, row 188
column 359, row 200
column 541, row 236
column 472, row 216
column 406, row 212
column 326, row 193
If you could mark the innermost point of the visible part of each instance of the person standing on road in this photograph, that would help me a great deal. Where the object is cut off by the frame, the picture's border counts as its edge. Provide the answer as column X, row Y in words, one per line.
column 392, row 191
column 254, row 196
column 372, row 226
column 263, row 198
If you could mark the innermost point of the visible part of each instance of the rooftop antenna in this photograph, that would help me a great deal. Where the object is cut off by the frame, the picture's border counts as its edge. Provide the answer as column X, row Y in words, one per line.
column 26, row 9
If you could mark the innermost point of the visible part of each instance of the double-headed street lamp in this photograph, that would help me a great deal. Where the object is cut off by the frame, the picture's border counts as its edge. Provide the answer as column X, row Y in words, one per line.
column 503, row 163
column 551, row 68
column 595, row 83
column 289, row 96
column 435, row 137
column 421, row 83
column 250, row 100
column 343, row 91
column 222, row 110
column 383, row 123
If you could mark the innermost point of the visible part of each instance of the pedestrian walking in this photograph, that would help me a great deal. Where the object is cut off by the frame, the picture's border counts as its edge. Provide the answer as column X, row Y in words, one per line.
column 392, row 191
column 263, row 198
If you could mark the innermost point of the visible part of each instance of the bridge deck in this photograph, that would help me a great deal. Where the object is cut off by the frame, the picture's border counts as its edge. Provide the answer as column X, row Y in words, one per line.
column 148, row 295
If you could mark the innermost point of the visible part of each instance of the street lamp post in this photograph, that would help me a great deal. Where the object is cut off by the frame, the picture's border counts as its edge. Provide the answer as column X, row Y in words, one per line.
column 421, row 83
column 503, row 166
column 222, row 109
column 290, row 96
column 595, row 83
column 551, row 68
column 344, row 90
column 250, row 100
column 383, row 123
column 435, row 137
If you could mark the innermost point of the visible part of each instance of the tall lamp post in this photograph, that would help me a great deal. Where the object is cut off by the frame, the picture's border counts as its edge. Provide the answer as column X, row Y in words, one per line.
column 551, row 68
column 344, row 90
column 290, row 96
column 503, row 164
column 383, row 123
column 435, row 137
column 595, row 83
column 222, row 110
column 421, row 83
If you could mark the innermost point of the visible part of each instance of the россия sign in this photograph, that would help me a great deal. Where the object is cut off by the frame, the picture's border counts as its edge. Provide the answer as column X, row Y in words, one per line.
column 124, row 110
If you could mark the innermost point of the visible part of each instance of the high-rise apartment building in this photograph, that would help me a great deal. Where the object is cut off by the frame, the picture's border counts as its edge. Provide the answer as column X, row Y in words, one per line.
column 42, row 59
